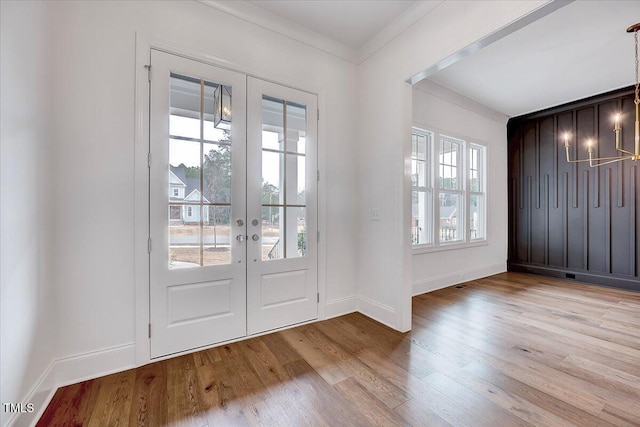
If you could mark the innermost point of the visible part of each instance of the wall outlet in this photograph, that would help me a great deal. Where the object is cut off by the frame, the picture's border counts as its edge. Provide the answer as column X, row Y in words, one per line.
column 376, row 214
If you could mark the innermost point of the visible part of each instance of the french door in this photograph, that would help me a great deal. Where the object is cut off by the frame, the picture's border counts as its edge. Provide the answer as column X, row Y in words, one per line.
column 232, row 205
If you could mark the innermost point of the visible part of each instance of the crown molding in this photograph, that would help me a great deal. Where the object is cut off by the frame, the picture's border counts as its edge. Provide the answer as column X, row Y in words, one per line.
column 284, row 27
column 396, row 27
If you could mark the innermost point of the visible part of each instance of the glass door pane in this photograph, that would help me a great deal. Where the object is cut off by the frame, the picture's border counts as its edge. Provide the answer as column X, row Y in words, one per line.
column 199, row 176
column 283, row 179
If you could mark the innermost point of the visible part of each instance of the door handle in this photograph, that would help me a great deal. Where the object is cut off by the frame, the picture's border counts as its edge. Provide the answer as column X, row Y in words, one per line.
column 240, row 238
column 255, row 237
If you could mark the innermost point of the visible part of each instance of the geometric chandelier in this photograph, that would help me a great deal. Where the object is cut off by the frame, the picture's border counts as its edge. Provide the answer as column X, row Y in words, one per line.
column 617, row 128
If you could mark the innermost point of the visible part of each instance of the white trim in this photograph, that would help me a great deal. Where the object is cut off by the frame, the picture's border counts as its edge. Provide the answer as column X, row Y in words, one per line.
column 94, row 364
column 396, row 27
column 144, row 44
column 284, row 27
column 427, row 249
column 141, row 199
column 447, row 95
column 521, row 22
column 40, row 395
column 341, row 306
column 446, row 280
column 71, row 370
column 294, row 31
column 378, row 312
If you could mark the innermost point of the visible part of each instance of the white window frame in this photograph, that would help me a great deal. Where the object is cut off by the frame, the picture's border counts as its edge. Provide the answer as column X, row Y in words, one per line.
column 464, row 173
column 427, row 189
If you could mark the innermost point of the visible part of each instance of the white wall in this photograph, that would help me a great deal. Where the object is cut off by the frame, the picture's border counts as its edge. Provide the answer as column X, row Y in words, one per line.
column 436, row 108
column 68, row 289
column 384, row 126
column 94, row 92
column 26, row 265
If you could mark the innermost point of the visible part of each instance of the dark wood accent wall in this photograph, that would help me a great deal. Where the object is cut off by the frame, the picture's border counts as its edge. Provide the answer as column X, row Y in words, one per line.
column 571, row 220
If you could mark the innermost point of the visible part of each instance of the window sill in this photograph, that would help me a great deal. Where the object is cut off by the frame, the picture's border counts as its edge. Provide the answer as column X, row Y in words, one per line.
column 426, row 249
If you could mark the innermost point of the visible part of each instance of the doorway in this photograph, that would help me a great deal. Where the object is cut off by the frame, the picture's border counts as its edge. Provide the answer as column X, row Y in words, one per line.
column 232, row 205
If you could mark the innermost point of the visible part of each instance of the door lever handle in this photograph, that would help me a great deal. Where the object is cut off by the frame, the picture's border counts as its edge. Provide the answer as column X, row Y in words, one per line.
column 255, row 237
column 240, row 238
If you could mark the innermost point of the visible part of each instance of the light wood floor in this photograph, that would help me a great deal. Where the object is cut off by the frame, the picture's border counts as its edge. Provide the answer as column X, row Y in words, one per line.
column 508, row 350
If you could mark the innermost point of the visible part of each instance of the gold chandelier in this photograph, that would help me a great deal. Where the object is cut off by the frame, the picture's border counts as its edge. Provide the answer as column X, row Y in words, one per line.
column 617, row 128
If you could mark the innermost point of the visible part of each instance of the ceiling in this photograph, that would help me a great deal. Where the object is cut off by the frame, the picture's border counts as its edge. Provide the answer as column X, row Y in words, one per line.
column 581, row 49
column 351, row 22
column 578, row 50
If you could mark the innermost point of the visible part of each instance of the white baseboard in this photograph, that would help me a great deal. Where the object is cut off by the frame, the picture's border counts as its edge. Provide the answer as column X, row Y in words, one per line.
column 94, row 364
column 71, row 370
column 82, row 367
column 446, row 280
column 340, row 306
column 40, row 396
column 378, row 312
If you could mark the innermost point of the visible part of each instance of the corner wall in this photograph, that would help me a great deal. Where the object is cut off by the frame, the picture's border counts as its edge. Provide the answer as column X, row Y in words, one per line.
column 384, row 125
column 94, row 179
column 436, row 108
column 26, row 222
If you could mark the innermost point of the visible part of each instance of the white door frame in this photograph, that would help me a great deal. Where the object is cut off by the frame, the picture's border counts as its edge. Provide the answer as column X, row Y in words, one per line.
column 144, row 44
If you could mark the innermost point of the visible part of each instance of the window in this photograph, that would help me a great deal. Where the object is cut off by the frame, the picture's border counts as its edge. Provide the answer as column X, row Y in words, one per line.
column 451, row 195
column 189, row 211
column 175, row 192
column 453, row 209
column 422, row 191
column 477, row 193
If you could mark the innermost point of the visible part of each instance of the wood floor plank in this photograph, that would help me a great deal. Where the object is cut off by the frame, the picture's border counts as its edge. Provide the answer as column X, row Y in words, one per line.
column 114, row 401
column 325, row 398
column 484, row 409
column 384, row 390
column 506, row 350
column 367, row 404
column 150, row 387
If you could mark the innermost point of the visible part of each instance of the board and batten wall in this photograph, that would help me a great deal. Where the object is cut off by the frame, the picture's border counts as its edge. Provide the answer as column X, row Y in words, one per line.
column 568, row 219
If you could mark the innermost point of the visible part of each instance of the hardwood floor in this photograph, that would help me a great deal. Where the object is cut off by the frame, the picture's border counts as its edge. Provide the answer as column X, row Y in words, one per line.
column 507, row 350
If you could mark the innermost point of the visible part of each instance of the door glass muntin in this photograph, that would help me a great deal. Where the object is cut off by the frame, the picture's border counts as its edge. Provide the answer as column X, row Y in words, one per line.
column 199, row 177
column 284, row 126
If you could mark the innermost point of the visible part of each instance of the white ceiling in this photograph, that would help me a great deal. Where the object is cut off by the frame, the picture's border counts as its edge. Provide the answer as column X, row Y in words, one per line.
column 580, row 50
column 351, row 22
column 350, row 29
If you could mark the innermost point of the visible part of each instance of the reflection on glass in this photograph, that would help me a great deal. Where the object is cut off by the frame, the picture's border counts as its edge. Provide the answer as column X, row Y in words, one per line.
column 296, row 127
column 217, row 173
column 217, row 235
column 272, row 175
column 296, row 232
column 185, row 127
column 184, row 236
column 272, row 123
column 272, row 232
column 295, row 180
column 449, row 158
column 184, row 110
column 419, row 173
column 477, row 217
column 450, row 207
column 474, row 169
column 421, row 211
column 283, row 179
column 199, row 176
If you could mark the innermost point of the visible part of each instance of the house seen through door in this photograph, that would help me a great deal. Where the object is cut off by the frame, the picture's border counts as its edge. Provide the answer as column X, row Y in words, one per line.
column 232, row 206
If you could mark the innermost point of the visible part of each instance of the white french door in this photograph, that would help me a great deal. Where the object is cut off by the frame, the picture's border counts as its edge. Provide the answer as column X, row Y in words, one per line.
column 281, row 205
column 232, row 218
